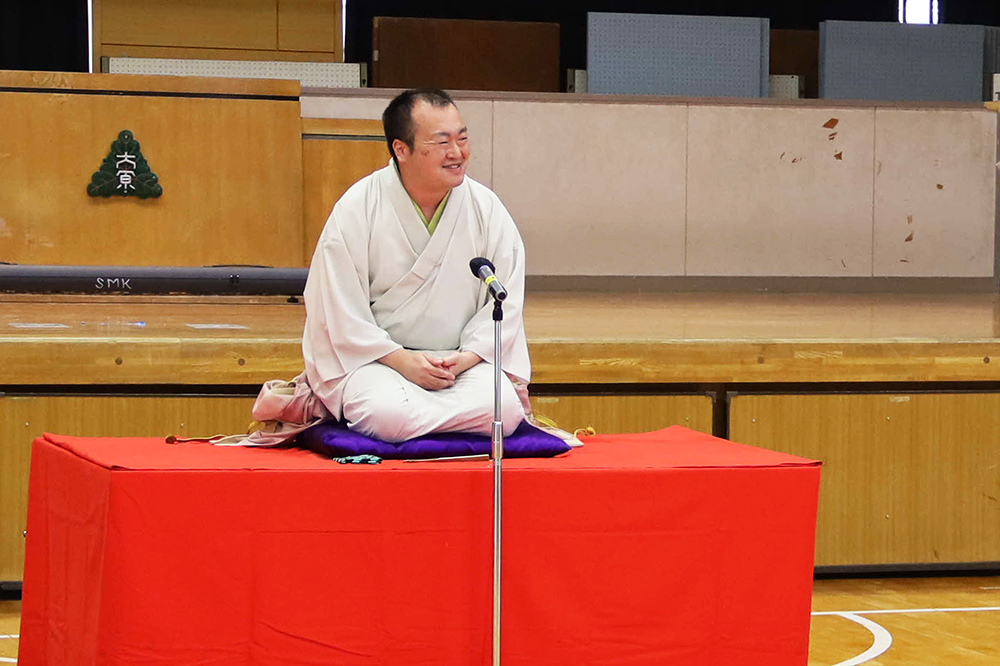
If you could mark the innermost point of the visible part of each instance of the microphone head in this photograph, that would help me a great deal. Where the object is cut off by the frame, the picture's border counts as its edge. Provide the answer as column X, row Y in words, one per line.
column 477, row 264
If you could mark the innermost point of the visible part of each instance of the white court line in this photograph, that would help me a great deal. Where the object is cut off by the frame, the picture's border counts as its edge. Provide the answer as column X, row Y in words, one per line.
column 200, row 327
column 881, row 642
column 8, row 660
column 882, row 638
column 911, row 610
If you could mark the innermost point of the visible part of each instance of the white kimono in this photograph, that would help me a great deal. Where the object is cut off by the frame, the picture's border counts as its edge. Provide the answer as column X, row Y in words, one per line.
column 379, row 281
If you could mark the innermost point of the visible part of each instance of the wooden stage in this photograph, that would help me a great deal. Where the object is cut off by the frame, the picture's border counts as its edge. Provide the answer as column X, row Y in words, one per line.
column 899, row 395
column 588, row 338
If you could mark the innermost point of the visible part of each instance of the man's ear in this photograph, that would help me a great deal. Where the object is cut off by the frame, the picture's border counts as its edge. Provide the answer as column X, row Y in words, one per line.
column 401, row 150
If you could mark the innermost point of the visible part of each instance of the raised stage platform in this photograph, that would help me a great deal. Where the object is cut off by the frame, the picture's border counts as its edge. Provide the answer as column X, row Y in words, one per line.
column 575, row 338
column 668, row 547
column 899, row 395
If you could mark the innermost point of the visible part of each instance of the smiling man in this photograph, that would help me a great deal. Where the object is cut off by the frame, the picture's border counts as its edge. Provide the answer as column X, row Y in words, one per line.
column 398, row 339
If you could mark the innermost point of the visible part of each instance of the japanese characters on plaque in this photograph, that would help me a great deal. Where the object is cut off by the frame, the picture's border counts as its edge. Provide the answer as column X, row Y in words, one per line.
column 125, row 172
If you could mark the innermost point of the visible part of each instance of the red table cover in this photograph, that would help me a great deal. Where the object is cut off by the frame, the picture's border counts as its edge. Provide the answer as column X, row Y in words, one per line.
column 670, row 547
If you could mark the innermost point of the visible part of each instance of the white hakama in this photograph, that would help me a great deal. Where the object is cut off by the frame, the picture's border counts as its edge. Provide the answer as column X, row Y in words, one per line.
column 379, row 282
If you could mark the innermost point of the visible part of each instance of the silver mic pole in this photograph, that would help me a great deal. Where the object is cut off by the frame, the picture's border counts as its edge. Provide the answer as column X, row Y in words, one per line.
column 497, row 455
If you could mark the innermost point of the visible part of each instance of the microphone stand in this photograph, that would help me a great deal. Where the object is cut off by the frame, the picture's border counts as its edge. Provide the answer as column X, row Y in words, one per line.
column 497, row 455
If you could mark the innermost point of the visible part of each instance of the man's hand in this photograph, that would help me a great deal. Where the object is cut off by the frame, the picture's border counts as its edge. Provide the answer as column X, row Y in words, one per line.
column 458, row 362
column 424, row 370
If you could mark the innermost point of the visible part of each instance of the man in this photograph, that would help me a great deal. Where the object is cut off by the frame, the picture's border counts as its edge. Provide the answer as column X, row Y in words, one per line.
column 399, row 334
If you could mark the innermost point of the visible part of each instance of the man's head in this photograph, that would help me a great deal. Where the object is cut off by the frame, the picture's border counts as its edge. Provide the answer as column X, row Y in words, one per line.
column 427, row 139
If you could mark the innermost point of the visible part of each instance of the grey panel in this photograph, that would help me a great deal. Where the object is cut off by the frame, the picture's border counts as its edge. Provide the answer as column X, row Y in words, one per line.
column 765, row 58
column 677, row 55
column 991, row 60
column 889, row 61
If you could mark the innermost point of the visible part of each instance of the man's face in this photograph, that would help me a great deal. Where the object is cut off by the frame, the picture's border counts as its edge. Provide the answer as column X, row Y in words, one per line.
column 440, row 148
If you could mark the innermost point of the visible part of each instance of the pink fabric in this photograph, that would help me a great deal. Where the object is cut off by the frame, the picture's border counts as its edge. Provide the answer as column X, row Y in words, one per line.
column 299, row 407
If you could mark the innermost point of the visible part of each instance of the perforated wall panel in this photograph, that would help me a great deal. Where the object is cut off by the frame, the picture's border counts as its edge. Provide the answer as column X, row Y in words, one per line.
column 651, row 54
column 310, row 74
column 889, row 61
column 784, row 86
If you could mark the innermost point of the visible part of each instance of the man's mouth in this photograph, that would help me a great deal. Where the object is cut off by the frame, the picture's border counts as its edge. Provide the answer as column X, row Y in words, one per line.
column 453, row 166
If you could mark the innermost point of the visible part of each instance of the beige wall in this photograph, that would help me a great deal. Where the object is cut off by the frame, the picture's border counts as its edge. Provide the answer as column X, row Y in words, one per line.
column 934, row 186
column 589, row 197
column 660, row 187
column 768, row 195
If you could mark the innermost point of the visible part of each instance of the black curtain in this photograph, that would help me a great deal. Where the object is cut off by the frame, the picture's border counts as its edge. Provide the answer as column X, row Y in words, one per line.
column 573, row 21
column 47, row 35
column 972, row 12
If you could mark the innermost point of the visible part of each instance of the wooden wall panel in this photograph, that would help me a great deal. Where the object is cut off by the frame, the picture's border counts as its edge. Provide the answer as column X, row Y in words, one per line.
column 169, row 86
column 24, row 418
column 309, row 25
column 231, row 171
column 308, row 30
column 238, row 24
column 625, row 413
column 907, row 478
column 329, row 167
column 494, row 55
column 183, row 52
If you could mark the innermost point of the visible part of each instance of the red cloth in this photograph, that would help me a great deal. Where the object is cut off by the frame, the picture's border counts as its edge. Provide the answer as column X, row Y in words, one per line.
column 666, row 547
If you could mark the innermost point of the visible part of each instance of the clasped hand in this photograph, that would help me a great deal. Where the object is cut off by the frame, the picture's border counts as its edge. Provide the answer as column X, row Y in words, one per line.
column 429, row 371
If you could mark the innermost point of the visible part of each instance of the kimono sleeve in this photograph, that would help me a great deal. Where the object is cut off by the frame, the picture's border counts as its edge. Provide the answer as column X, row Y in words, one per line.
column 506, row 251
column 341, row 334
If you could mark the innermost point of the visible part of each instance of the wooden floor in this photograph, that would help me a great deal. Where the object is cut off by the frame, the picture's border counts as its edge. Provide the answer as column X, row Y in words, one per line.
column 910, row 621
column 10, row 627
column 574, row 338
column 916, row 621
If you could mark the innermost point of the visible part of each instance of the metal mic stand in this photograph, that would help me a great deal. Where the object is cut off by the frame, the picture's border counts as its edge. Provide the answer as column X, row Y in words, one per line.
column 497, row 455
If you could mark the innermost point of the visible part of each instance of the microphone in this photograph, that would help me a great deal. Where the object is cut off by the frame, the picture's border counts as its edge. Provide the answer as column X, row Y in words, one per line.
column 483, row 269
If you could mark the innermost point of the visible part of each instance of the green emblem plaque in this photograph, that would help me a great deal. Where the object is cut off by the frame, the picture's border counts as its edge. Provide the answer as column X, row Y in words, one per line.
column 124, row 172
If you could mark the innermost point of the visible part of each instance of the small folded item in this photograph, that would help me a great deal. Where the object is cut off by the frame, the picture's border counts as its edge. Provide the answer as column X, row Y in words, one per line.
column 359, row 460
column 334, row 440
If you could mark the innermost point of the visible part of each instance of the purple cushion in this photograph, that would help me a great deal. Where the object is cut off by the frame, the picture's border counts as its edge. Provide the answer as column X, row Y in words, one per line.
column 335, row 440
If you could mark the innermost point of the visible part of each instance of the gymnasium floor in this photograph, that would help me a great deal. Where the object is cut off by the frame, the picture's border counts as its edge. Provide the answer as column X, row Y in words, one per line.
column 879, row 621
